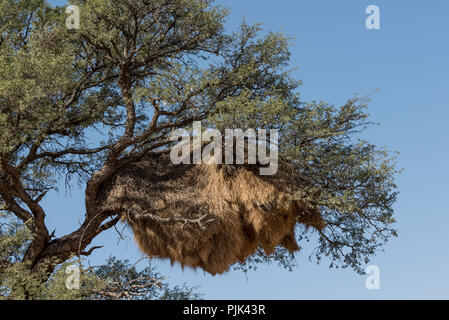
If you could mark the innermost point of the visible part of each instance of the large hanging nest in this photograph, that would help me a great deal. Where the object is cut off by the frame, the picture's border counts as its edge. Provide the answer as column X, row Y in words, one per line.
column 207, row 216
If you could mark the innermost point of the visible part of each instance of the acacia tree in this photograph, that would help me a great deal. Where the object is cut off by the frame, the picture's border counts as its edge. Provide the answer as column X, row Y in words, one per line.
column 84, row 103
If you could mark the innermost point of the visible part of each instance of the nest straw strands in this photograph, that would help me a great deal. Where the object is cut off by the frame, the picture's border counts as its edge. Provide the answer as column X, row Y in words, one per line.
column 207, row 216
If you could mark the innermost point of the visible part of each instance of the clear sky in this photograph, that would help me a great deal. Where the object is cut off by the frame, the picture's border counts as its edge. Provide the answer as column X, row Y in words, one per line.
column 336, row 57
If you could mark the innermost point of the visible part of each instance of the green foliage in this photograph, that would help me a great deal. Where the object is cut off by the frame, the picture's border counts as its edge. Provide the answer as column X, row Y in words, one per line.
column 146, row 284
column 350, row 180
column 116, row 279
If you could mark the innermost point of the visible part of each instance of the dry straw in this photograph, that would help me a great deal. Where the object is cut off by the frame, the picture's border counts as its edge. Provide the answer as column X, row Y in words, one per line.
column 207, row 216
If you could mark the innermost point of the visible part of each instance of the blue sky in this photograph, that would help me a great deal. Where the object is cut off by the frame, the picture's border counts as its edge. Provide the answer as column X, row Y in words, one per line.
column 336, row 57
